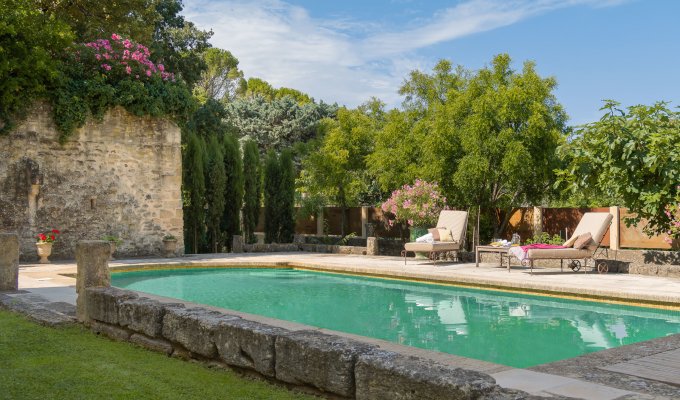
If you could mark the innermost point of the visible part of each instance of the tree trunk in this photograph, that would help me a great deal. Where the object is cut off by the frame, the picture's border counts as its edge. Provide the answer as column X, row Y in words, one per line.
column 500, row 228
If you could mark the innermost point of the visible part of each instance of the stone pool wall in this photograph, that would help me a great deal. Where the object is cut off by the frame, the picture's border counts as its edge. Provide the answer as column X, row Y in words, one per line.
column 334, row 366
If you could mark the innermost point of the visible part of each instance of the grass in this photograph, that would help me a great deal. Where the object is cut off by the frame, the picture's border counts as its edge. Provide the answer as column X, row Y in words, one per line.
column 37, row 362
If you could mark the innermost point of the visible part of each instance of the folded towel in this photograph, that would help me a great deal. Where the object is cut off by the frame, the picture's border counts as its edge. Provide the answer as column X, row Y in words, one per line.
column 428, row 238
column 520, row 252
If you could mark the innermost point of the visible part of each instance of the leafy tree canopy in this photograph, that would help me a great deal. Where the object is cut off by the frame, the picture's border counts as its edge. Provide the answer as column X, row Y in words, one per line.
column 488, row 137
column 632, row 155
column 259, row 87
column 222, row 80
column 276, row 124
column 30, row 40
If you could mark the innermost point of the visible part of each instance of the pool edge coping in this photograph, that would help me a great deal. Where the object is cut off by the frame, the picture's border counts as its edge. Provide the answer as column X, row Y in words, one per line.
column 571, row 293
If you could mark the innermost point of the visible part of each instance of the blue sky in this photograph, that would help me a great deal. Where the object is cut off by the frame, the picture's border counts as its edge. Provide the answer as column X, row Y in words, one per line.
column 347, row 51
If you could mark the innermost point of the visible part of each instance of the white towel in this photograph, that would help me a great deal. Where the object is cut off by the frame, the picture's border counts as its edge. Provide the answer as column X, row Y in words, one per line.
column 428, row 238
column 518, row 252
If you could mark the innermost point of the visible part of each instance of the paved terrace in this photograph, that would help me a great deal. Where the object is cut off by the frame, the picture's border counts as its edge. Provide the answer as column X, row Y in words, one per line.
column 609, row 374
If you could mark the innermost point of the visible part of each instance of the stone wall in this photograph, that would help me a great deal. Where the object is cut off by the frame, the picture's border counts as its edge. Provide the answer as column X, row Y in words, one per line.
column 119, row 176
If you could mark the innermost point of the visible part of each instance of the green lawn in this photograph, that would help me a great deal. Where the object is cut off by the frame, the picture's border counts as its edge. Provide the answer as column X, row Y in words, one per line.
column 72, row 363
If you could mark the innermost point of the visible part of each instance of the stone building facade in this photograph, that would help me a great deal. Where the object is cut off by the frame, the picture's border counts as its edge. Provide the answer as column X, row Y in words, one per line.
column 120, row 176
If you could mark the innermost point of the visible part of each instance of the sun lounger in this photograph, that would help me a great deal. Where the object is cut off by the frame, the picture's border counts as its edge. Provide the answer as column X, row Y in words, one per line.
column 454, row 221
column 595, row 223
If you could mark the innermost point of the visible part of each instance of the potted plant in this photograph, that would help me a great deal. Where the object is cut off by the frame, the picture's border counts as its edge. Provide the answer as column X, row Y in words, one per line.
column 44, row 244
column 416, row 205
column 114, row 242
column 169, row 245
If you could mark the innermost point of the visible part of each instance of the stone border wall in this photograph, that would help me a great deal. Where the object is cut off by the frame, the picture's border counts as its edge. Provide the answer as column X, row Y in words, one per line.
column 332, row 365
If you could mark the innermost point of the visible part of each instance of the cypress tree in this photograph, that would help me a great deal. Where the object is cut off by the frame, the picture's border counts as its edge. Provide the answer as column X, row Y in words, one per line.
column 252, row 187
column 286, row 197
column 193, row 183
column 233, row 194
column 216, row 183
column 272, row 183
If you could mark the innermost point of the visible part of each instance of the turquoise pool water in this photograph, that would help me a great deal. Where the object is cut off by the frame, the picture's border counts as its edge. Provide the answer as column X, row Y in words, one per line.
column 505, row 328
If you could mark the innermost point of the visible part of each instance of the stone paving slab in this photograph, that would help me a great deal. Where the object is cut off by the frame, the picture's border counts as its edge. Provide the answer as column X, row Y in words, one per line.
column 540, row 383
column 662, row 367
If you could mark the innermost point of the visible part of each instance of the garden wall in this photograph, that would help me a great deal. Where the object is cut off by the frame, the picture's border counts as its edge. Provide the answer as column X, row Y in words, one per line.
column 119, row 176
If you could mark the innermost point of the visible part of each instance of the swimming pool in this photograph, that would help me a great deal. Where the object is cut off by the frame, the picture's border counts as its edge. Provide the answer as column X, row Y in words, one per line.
column 506, row 328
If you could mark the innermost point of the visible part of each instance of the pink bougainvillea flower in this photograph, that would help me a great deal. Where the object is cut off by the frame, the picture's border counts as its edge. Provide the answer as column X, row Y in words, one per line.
column 115, row 37
column 161, row 67
column 148, row 72
column 127, row 43
column 107, row 67
column 128, row 70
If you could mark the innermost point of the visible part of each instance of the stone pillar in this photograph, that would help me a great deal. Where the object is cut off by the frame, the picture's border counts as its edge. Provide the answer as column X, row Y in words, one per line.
column 92, row 257
column 537, row 220
column 364, row 222
column 372, row 248
column 237, row 244
column 9, row 261
column 614, row 229
column 319, row 224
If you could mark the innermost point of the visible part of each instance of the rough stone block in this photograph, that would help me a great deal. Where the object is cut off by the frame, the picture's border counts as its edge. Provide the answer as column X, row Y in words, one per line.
column 9, row 261
column 248, row 344
column 674, row 271
column 142, row 315
column 193, row 328
column 387, row 375
column 323, row 361
column 92, row 257
column 103, row 303
column 112, row 331
column 159, row 345
column 372, row 248
column 237, row 244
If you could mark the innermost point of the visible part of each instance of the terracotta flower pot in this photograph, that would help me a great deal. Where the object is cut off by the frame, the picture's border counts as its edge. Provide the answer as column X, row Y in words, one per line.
column 169, row 247
column 44, row 251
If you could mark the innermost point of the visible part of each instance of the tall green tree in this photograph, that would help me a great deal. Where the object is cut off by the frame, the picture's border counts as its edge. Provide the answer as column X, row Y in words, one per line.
column 252, row 185
column 30, row 42
column 632, row 155
column 193, row 190
column 272, row 185
column 222, row 79
column 279, row 123
column 233, row 195
column 286, row 195
column 488, row 137
column 216, row 184
column 336, row 170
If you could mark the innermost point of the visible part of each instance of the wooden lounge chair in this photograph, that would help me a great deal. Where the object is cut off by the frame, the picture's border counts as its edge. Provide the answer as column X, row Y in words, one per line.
column 454, row 221
column 595, row 223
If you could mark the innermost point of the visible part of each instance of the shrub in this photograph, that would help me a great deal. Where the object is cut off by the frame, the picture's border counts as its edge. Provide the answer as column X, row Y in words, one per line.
column 418, row 205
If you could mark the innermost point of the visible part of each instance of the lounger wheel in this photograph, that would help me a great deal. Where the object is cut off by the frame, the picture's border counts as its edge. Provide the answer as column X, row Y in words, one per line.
column 575, row 265
column 525, row 262
column 602, row 268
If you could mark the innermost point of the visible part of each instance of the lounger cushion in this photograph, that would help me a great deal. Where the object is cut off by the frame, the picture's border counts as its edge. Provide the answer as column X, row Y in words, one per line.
column 559, row 253
column 435, row 233
column 445, row 235
column 571, row 241
column 427, row 247
column 583, row 240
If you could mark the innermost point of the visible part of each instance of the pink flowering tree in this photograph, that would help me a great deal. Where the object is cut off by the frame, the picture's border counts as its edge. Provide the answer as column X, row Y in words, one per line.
column 120, row 57
column 417, row 205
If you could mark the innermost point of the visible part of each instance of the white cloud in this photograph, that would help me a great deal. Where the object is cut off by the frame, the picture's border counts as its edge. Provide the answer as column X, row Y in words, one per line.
column 284, row 45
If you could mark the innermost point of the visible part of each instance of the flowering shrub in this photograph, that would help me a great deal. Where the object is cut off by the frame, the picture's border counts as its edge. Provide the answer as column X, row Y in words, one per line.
column 418, row 205
column 113, row 72
column 48, row 237
column 120, row 56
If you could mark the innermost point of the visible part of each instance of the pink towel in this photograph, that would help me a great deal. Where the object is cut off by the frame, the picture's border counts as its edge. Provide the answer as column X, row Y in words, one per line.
column 541, row 246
